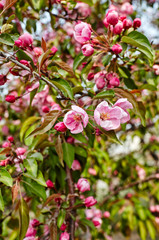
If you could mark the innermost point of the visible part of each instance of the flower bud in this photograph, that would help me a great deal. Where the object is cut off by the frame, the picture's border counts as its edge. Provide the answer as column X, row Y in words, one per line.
column 118, row 28
column 90, row 76
column 6, row 145
column 45, row 109
column 3, row 163
column 20, row 151
column 106, row 214
column 117, row 48
column 3, row 79
column 97, row 222
column 10, row 98
column 10, row 139
column 1, row 5
column 49, row 184
column 92, row 171
column 114, row 82
column 127, row 23
column 60, row 127
column 26, row 40
column 76, row 165
column 70, row 140
column 87, row 50
column 63, row 227
column 64, row 236
column 37, row 51
column 31, row 232
column 34, row 223
column 137, row 23
column 83, row 185
column 90, row 201
column 100, row 80
column 127, row 8
column 112, row 17
column 54, row 50
column 24, row 62
column 18, row 43
column 106, row 24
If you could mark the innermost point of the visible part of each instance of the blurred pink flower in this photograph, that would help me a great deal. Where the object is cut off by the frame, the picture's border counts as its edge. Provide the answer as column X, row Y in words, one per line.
column 83, row 185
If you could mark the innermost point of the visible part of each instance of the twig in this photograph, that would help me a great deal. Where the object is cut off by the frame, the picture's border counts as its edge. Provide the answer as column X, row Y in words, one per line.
column 115, row 192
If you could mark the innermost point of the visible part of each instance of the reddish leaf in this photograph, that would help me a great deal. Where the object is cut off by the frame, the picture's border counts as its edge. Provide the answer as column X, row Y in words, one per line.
column 43, row 45
column 15, row 190
column 43, row 58
column 7, row 5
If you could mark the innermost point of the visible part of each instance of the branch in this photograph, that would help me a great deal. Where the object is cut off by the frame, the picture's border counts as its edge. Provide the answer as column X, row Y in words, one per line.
column 12, row 59
column 130, row 185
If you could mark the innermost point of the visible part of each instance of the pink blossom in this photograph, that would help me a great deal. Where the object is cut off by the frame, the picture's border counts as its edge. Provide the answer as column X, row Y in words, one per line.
column 112, row 17
column 137, row 23
column 75, row 118
column 118, row 28
column 6, row 145
column 127, row 23
column 5, row 130
column 153, row 208
column 64, row 236
column 83, row 185
column 92, row 171
column 124, row 104
column 30, row 238
column 34, row 223
column 117, row 48
column 49, row 184
column 87, row 50
column 100, row 80
column 63, row 227
column 89, row 213
column 31, row 232
column 10, row 139
column 54, row 50
column 97, row 222
column 106, row 214
column 83, row 9
column 157, row 220
column 5, row 162
column 156, row 69
column 126, row 8
column 38, row 51
column 3, row 79
column 90, row 201
column 60, row 127
column 20, row 151
column 55, row 106
column 109, row 118
column 76, row 165
column 24, row 62
column 26, row 40
column 82, row 32
column 106, row 24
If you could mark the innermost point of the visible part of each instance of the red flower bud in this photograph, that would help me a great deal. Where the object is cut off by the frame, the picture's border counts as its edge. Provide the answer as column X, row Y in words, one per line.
column 3, row 79
column 127, row 23
column 45, row 109
column 136, row 23
column 10, row 98
column 60, row 127
column 112, row 17
column 117, row 48
column 49, row 184
column 11, row 139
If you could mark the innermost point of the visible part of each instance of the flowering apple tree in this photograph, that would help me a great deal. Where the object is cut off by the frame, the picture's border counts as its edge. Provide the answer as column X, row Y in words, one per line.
column 79, row 121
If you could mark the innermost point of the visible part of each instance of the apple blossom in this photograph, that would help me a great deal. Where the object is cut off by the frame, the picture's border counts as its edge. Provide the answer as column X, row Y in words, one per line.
column 97, row 222
column 92, row 171
column 10, row 98
column 83, row 185
column 64, row 236
column 3, row 79
column 54, row 50
column 118, row 28
column 100, row 80
column 137, row 23
column 49, row 184
column 90, row 201
column 75, row 118
column 112, row 17
column 117, row 48
column 20, row 151
column 106, row 214
column 60, row 127
column 127, row 8
column 82, row 32
column 63, row 227
column 76, row 165
column 127, row 23
column 87, row 50
column 10, row 139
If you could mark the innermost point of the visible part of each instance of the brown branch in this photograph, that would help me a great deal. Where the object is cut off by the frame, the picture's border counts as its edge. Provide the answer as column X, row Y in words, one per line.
column 12, row 59
column 130, row 185
column 72, row 201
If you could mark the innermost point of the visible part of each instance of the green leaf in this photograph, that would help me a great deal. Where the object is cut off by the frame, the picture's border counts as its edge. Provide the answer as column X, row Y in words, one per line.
column 138, row 40
column 29, row 121
column 80, row 137
column 89, row 2
column 78, row 60
column 37, row 156
column 105, row 94
column 129, row 83
column 31, row 166
column 77, row 89
column 36, row 189
column 39, row 179
column 68, row 153
column 88, row 223
column 23, row 218
column 80, row 151
column 61, row 218
column 149, row 87
column 23, row 56
column 110, row 134
column 1, row 202
column 138, row 107
column 64, row 86
column 106, row 59
column 6, row 28
column 6, row 38
column 49, row 120
column 142, row 230
column 5, row 177
column 151, row 229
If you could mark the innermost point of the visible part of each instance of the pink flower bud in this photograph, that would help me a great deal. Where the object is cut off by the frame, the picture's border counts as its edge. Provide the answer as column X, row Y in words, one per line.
column 90, row 76
column 106, row 214
column 63, row 227
column 118, row 28
column 92, row 171
column 1, row 5
column 122, row 17
column 4, row 163
column 6, row 145
column 127, row 8
column 10, row 139
column 70, row 140
column 49, row 184
column 114, row 82
column 31, row 232
column 87, row 50
column 100, row 80
column 137, row 23
column 127, row 23
column 60, row 127
column 112, row 18
column 153, row 209
column 64, row 236
column 37, row 51
column 117, row 48
column 26, row 40
column 24, row 62
column 157, row 220
column 90, row 201
column 97, row 222
column 106, row 24
column 83, row 185
column 45, row 109
column 3, row 79
column 10, row 98
column 20, row 151
column 34, row 223
column 18, row 43
column 82, row 32
column 76, row 165
column 54, row 50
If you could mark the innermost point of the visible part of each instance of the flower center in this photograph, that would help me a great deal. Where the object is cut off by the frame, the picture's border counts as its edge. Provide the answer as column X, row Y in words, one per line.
column 104, row 116
column 77, row 118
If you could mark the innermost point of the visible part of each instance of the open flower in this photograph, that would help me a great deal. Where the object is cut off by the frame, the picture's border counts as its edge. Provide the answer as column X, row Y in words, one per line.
column 82, row 32
column 75, row 118
column 110, row 118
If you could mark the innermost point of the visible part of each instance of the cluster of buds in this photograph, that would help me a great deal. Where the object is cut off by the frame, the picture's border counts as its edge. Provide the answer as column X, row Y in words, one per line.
column 31, row 232
column 96, row 215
